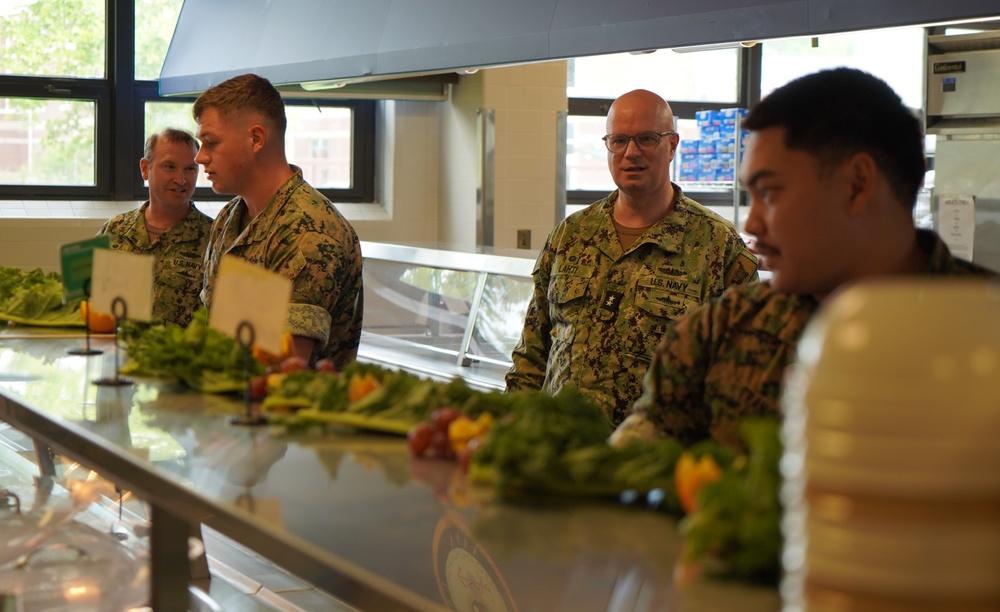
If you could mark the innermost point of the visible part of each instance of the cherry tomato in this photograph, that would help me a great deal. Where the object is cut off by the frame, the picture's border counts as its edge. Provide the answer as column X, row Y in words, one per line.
column 440, row 448
column 294, row 364
column 325, row 365
column 418, row 439
column 258, row 387
column 442, row 418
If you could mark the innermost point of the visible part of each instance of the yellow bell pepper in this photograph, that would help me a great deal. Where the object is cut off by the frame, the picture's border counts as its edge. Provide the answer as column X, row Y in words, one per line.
column 463, row 429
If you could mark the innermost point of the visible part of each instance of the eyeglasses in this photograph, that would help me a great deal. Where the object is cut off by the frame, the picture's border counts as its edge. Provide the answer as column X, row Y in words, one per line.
column 646, row 141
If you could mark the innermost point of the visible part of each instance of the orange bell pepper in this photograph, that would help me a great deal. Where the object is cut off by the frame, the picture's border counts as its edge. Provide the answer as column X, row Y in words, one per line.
column 360, row 386
column 690, row 475
column 98, row 322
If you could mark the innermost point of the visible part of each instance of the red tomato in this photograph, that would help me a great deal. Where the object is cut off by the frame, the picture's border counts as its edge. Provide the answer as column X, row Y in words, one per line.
column 440, row 447
column 258, row 387
column 442, row 418
column 418, row 439
column 325, row 365
column 293, row 364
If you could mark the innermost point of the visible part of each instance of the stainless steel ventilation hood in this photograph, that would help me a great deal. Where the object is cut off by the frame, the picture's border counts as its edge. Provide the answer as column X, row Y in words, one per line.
column 329, row 43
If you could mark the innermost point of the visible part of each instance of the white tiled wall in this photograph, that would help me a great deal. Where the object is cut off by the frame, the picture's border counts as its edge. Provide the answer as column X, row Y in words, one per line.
column 526, row 100
column 428, row 173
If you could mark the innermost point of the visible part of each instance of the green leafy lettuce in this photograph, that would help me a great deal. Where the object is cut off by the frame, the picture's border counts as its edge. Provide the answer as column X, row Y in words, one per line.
column 199, row 356
column 35, row 298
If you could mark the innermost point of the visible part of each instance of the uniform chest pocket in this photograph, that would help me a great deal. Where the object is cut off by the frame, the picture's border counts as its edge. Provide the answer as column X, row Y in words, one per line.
column 567, row 298
column 564, row 288
column 660, row 304
column 653, row 310
column 665, row 298
column 180, row 273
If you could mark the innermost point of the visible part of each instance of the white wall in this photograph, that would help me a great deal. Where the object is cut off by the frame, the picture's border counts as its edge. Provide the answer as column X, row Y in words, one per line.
column 427, row 155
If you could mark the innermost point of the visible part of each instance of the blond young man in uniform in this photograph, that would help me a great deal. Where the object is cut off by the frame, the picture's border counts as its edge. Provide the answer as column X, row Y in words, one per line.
column 277, row 220
column 167, row 225
column 833, row 166
column 611, row 277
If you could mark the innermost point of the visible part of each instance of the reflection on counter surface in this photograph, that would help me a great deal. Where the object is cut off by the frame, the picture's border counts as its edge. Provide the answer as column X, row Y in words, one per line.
column 354, row 514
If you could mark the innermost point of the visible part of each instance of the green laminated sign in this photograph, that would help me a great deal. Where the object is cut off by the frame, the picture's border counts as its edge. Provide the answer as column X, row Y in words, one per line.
column 77, row 262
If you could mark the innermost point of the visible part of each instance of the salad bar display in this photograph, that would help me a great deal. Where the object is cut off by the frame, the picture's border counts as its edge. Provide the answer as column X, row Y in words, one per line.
column 411, row 485
column 366, row 507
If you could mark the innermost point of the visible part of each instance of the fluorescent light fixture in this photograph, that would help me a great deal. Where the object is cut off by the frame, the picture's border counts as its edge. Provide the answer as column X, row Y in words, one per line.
column 322, row 85
column 715, row 47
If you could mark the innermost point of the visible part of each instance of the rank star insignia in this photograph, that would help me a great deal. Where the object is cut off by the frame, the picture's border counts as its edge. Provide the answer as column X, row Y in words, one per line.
column 611, row 301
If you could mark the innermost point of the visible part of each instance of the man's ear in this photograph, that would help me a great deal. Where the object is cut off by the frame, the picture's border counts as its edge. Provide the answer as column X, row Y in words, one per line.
column 258, row 136
column 862, row 173
column 144, row 168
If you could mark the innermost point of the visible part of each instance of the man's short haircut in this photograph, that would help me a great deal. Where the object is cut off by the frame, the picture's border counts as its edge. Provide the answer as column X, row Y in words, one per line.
column 169, row 135
column 834, row 114
column 247, row 92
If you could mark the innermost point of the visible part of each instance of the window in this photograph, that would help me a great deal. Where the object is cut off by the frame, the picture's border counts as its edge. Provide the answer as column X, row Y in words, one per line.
column 711, row 80
column 705, row 80
column 65, row 64
column 894, row 55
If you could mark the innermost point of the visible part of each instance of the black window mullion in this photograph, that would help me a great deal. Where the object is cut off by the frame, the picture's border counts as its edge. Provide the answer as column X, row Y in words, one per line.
column 122, row 165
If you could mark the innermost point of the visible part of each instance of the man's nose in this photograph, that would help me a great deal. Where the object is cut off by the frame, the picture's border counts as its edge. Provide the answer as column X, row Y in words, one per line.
column 631, row 148
column 754, row 223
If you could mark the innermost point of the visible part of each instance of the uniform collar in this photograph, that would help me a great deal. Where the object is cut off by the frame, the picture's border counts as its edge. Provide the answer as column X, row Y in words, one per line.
column 259, row 226
column 664, row 233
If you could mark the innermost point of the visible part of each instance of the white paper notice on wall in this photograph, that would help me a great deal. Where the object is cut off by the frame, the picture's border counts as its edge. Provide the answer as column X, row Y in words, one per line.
column 253, row 297
column 122, row 284
column 958, row 224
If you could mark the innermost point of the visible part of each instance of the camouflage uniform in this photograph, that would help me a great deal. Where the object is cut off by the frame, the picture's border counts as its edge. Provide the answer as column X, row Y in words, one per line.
column 726, row 360
column 179, row 253
column 301, row 236
column 598, row 312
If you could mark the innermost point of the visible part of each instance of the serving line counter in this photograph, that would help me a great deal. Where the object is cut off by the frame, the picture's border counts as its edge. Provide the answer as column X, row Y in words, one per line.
column 351, row 513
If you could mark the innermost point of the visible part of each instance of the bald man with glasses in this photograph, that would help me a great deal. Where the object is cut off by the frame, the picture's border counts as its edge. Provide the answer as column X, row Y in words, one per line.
column 611, row 277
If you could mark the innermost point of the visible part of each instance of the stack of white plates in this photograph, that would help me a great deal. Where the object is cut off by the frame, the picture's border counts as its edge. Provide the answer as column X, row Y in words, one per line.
column 892, row 460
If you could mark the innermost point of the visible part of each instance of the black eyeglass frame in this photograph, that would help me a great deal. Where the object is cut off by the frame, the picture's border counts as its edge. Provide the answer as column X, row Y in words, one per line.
column 635, row 138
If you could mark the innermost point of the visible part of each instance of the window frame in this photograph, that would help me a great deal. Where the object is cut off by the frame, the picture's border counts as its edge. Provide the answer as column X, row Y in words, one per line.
column 119, row 124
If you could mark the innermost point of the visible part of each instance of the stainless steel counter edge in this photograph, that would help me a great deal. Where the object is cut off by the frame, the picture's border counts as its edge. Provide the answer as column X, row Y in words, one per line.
column 339, row 577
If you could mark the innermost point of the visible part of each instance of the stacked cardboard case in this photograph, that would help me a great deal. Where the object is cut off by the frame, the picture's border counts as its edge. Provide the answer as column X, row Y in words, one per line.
column 713, row 157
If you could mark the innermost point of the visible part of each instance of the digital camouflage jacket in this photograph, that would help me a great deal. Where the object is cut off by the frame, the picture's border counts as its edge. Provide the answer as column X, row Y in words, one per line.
column 179, row 258
column 597, row 312
column 301, row 236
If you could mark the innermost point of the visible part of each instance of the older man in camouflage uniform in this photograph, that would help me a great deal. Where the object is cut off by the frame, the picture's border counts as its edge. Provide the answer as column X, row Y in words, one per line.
column 167, row 225
column 833, row 166
column 611, row 277
column 278, row 221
